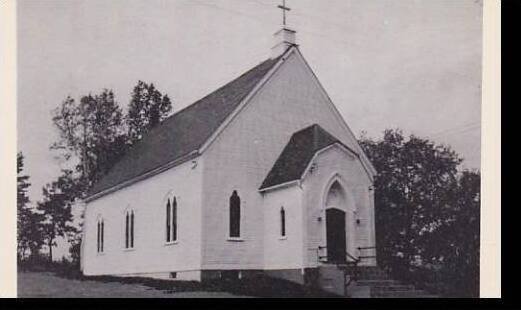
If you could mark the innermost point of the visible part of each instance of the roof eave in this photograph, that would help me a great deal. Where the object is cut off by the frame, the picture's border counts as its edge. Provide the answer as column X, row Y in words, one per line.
column 279, row 186
column 151, row 173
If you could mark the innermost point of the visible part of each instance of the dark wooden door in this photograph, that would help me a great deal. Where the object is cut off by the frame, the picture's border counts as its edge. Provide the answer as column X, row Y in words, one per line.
column 336, row 235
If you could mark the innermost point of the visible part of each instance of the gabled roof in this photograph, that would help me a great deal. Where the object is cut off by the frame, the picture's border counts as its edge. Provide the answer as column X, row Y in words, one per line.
column 295, row 158
column 180, row 136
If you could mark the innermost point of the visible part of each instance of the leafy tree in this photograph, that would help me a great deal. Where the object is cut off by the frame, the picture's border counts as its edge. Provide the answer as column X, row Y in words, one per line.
column 35, row 233
column 93, row 136
column 29, row 223
column 460, row 253
column 91, row 131
column 22, row 206
column 147, row 109
column 75, row 250
column 420, row 204
column 27, row 220
column 56, row 208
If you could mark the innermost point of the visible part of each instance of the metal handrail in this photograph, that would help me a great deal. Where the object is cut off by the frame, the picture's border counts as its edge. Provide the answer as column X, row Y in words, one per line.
column 351, row 264
column 360, row 249
column 350, row 261
column 366, row 247
column 354, row 276
column 354, row 259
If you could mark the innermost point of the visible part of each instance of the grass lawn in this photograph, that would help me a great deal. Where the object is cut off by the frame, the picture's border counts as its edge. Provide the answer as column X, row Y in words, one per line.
column 55, row 285
column 50, row 285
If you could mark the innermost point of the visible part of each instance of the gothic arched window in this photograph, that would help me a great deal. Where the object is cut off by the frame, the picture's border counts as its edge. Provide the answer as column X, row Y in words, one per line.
column 171, row 221
column 168, row 221
column 100, row 235
column 129, row 229
column 132, row 229
column 127, row 224
column 282, row 222
column 174, row 220
column 235, row 215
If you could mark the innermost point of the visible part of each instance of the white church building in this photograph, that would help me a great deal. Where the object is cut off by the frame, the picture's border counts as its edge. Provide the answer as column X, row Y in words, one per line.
column 261, row 176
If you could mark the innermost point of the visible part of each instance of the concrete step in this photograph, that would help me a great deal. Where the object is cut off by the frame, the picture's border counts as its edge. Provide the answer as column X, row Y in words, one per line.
column 402, row 294
column 372, row 273
column 392, row 288
column 417, row 296
column 372, row 282
column 380, row 282
column 375, row 277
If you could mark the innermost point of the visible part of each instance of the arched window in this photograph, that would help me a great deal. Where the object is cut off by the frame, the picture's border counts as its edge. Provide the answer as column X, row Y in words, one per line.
column 132, row 229
column 100, row 235
column 168, row 221
column 235, row 215
column 127, row 224
column 129, row 229
column 171, row 220
column 282, row 222
column 174, row 220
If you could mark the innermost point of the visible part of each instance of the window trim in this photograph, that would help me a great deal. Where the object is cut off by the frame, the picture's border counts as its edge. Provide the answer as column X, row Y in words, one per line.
column 235, row 239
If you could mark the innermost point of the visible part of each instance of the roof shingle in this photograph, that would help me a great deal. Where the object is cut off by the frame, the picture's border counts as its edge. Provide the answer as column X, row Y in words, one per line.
column 184, row 132
column 297, row 154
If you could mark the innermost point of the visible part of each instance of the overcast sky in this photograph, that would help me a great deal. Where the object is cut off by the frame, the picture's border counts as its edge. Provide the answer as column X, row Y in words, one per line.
column 409, row 64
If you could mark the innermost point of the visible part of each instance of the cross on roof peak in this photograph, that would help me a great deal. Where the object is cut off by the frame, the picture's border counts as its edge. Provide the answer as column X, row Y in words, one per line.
column 284, row 8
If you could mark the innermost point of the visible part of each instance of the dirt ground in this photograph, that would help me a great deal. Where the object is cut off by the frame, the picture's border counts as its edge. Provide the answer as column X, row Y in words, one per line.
column 48, row 285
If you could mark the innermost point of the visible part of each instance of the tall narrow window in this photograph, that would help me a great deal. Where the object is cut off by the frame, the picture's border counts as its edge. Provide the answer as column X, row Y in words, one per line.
column 99, row 235
column 127, row 223
column 174, row 220
column 235, row 215
column 282, row 222
column 168, row 222
column 131, row 229
column 171, row 220
column 102, row 234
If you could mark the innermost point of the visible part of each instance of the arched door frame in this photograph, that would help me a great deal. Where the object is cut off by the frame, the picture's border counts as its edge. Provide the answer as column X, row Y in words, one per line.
column 349, row 207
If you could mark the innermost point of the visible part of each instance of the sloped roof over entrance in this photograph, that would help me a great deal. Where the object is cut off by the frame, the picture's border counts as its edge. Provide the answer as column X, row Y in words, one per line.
column 182, row 134
column 294, row 159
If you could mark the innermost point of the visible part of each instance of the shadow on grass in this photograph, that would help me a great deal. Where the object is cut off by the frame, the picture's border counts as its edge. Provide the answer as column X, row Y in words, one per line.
column 255, row 286
column 258, row 286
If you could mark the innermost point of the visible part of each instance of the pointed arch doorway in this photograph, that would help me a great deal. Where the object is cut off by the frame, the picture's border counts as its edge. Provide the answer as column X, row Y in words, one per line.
column 336, row 224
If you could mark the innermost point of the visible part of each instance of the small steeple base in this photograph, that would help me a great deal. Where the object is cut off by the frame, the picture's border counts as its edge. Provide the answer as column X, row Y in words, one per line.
column 284, row 38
